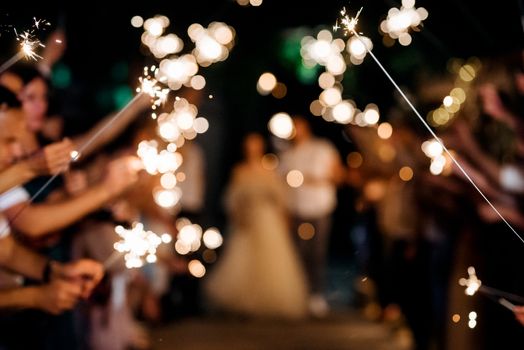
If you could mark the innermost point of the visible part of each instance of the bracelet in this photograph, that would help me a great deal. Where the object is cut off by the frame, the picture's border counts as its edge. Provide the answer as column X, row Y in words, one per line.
column 46, row 275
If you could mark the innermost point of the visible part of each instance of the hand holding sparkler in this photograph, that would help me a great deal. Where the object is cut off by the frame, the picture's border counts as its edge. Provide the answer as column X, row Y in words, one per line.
column 51, row 159
column 148, row 93
column 85, row 272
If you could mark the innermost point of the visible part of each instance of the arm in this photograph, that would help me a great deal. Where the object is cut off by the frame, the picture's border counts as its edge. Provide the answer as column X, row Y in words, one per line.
column 17, row 258
column 54, row 298
column 488, row 165
column 509, row 212
column 14, row 256
column 15, row 175
column 36, row 220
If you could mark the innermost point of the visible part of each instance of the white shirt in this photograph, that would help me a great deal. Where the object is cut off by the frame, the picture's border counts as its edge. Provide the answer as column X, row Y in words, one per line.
column 13, row 197
column 315, row 159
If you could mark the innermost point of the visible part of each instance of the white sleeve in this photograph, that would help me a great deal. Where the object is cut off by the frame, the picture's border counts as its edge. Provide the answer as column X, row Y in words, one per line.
column 511, row 179
column 13, row 197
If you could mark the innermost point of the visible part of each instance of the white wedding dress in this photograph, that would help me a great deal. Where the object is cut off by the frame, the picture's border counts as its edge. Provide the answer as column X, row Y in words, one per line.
column 259, row 272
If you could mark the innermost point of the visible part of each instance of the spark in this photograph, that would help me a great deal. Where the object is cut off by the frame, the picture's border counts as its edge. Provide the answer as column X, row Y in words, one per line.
column 137, row 245
column 349, row 27
column 28, row 45
column 472, row 283
column 150, row 85
column 37, row 22
column 348, row 23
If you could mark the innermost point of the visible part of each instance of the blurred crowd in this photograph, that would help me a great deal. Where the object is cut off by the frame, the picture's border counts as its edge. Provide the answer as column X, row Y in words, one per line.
column 419, row 222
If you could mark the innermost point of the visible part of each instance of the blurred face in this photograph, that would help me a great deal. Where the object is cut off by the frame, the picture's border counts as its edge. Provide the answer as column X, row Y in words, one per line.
column 34, row 103
column 254, row 146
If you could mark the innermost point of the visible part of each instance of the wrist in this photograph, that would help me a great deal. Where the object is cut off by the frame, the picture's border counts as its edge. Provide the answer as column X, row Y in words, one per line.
column 26, row 171
column 52, row 271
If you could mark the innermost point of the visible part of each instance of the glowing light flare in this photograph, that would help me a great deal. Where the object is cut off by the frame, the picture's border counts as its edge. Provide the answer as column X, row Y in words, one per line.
column 326, row 80
column 137, row 245
column 167, row 198
column 472, row 283
column 371, row 115
column 156, row 25
column 343, row 112
column 196, row 268
column 137, row 21
column 432, row 148
column 354, row 160
column 401, row 20
column 190, row 236
column 317, row 108
column 358, row 48
column 306, row 231
column 295, row 178
column 269, row 161
column 405, row 173
column 385, row 130
column 168, row 181
column 266, row 83
column 74, row 155
column 281, row 125
column 324, row 51
column 166, row 238
column 330, row 97
column 201, row 125
column 211, row 44
column 148, row 153
column 348, row 23
column 151, row 86
column 198, row 82
column 212, row 238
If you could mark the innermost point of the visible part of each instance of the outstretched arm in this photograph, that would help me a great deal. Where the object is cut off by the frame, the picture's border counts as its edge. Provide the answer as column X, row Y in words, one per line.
column 36, row 220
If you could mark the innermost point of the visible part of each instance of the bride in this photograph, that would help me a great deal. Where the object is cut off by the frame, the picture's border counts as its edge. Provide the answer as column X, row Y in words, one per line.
column 259, row 273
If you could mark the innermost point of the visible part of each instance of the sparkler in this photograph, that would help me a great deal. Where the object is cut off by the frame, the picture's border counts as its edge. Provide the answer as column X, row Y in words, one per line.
column 28, row 44
column 149, row 85
column 136, row 245
column 474, row 285
column 348, row 24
